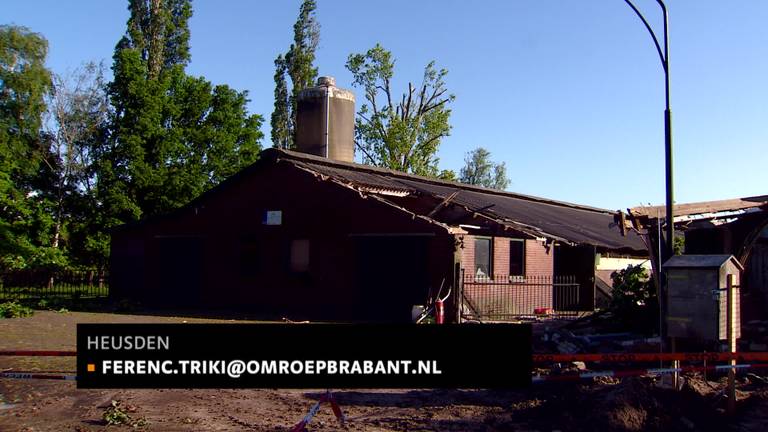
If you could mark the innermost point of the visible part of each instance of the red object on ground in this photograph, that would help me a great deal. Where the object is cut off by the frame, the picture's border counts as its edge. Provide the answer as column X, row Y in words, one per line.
column 327, row 397
column 439, row 312
column 541, row 311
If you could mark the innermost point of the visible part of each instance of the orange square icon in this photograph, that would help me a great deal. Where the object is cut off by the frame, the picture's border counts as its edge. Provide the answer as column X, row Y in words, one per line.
column 91, row 367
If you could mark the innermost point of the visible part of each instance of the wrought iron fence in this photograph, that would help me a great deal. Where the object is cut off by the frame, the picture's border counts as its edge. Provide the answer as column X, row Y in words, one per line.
column 34, row 284
column 504, row 297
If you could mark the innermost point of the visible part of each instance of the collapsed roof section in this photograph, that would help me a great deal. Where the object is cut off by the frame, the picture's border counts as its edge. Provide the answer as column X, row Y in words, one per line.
column 464, row 206
column 695, row 215
column 704, row 209
column 743, row 218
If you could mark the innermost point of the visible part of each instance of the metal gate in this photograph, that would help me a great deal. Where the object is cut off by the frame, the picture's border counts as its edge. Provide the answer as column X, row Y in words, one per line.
column 504, row 297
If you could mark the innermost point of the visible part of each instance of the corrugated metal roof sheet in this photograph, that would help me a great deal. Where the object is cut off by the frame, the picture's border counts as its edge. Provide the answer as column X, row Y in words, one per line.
column 704, row 207
column 554, row 219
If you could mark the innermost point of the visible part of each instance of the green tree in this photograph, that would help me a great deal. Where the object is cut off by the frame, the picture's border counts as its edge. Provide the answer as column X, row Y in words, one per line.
column 298, row 64
column 448, row 175
column 480, row 170
column 399, row 133
column 172, row 136
column 282, row 136
column 24, row 84
column 634, row 303
column 678, row 244
column 158, row 30
column 79, row 113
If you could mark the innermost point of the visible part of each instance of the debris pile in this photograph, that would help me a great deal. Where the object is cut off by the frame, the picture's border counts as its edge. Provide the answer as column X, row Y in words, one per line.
column 754, row 336
column 551, row 339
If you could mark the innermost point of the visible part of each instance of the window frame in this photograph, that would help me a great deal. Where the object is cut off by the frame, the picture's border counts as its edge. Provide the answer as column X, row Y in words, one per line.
column 475, row 267
column 523, row 254
column 305, row 265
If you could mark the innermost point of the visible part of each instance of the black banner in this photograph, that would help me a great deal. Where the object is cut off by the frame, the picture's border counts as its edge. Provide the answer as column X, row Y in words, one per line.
column 303, row 356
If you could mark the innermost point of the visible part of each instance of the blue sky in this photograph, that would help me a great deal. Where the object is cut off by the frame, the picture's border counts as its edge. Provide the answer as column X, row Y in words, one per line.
column 568, row 93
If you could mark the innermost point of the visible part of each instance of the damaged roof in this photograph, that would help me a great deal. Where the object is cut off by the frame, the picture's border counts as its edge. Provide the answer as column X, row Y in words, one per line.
column 703, row 208
column 537, row 217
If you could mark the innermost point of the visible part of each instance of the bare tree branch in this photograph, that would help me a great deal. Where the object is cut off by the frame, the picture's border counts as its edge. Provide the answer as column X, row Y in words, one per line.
column 367, row 155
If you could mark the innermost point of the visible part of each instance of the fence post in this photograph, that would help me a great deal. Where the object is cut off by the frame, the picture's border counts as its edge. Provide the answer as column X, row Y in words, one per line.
column 730, row 304
column 459, row 295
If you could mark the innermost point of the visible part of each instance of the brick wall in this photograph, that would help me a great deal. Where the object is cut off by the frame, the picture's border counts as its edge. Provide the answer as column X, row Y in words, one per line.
column 495, row 301
column 500, row 256
column 468, row 254
column 537, row 260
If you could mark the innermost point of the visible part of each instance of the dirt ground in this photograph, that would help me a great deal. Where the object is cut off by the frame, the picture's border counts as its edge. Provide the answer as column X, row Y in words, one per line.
column 629, row 405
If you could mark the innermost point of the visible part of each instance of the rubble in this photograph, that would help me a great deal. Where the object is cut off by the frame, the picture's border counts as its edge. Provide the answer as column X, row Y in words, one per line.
column 579, row 365
column 551, row 339
column 754, row 336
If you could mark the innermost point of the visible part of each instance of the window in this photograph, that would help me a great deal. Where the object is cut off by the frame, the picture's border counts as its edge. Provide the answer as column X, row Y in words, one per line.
column 300, row 256
column 517, row 257
column 483, row 257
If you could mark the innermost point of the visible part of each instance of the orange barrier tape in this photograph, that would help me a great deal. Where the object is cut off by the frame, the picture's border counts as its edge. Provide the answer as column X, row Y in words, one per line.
column 650, row 357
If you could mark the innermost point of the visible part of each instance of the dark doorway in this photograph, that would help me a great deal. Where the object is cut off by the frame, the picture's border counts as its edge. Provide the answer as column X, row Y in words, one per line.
column 179, row 271
column 755, row 281
column 391, row 275
column 579, row 262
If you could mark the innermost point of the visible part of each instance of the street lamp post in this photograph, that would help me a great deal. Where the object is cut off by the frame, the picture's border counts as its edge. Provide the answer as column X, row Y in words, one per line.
column 664, row 57
column 670, row 234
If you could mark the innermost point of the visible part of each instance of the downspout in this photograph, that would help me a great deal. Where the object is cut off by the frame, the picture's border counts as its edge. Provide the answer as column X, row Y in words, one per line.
column 327, row 116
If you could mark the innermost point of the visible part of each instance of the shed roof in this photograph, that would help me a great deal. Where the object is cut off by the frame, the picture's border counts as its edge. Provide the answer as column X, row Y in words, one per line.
column 700, row 261
column 573, row 223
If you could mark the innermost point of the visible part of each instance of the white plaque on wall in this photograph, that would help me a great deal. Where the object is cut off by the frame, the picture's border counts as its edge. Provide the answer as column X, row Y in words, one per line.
column 273, row 217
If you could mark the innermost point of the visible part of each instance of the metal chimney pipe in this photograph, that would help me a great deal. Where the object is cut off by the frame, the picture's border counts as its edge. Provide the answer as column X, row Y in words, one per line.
column 325, row 121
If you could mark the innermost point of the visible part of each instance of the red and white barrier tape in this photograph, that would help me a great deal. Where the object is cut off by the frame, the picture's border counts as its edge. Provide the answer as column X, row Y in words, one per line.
column 742, row 357
column 18, row 375
column 537, row 358
column 639, row 372
column 327, row 397
column 38, row 353
column 22, row 371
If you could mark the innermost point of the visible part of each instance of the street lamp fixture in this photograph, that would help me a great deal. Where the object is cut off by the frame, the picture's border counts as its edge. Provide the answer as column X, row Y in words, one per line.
column 664, row 57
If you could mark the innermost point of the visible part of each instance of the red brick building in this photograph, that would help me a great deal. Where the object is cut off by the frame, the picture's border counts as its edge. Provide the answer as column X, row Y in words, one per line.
column 304, row 236
column 312, row 234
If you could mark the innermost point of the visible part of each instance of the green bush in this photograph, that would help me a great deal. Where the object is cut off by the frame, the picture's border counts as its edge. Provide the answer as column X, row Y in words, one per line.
column 13, row 309
column 54, row 304
column 126, row 306
column 634, row 303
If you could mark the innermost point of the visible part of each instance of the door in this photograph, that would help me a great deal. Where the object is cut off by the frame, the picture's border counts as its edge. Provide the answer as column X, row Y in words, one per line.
column 579, row 262
column 391, row 276
column 179, row 267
